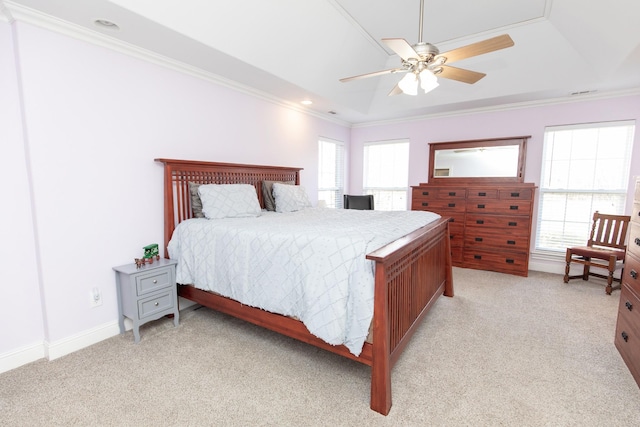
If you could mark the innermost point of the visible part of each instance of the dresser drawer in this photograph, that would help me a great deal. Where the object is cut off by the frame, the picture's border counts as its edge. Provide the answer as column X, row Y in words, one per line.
column 633, row 245
column 153, row 281
column 627, row 342
column 516, row 194
column 632, row 273
column 482, row 193
column 515, row 263
column 507, row 224
column 509, row 207
column 155, row 304
column 629, row 308
column 456, row 234
column 434, row 193
column 482, row 238
column 438, row 205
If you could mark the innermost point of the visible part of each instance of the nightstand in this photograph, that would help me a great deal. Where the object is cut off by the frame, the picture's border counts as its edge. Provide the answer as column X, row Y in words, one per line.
column 146, row 293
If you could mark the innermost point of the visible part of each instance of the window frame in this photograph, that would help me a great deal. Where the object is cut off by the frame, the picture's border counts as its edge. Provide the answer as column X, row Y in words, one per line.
column 339, row 173
column 380, row 204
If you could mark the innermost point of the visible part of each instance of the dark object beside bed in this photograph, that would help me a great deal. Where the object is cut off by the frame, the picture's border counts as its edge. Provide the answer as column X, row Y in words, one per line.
column 410, row 273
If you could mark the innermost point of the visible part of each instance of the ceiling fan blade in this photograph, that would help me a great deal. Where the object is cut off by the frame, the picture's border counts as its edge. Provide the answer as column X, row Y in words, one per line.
column 402, row 48
column 395, row 91
column 479, row 48
column 459, row 74
column 375, row 73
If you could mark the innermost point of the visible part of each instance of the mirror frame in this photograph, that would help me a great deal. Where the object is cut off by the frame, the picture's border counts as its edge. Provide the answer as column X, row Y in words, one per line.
column 520, row 141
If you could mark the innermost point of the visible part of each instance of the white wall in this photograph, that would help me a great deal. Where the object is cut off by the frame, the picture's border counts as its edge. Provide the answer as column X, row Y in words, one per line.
column 517, row 122
column 95, row 119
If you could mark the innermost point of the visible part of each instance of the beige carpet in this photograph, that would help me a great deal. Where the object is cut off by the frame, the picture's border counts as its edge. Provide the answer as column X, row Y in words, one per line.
column 505, row 351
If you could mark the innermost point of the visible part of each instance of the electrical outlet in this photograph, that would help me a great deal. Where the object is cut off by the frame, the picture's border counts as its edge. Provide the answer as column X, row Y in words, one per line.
column 95, row 297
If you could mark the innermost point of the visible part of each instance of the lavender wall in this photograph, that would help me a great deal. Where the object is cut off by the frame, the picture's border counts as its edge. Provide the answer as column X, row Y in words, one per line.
column 95, row 120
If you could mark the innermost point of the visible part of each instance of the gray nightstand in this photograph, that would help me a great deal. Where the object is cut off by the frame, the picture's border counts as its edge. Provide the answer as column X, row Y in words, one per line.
column 146, row 293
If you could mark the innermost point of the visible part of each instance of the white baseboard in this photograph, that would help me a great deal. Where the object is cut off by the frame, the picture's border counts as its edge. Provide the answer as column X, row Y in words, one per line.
column 21, row 356
column 56, row 349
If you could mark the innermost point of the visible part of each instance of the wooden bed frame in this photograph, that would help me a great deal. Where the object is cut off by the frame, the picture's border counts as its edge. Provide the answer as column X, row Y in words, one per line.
column 410, row 273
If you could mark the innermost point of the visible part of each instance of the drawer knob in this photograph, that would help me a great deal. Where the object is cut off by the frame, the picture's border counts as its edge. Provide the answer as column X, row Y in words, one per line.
column 510, row 261
column 425, row 204
column 482, row 194
column 629, row 306
column 512, row 224
column 511, row 242
column 625, row 336
column 425, row 193
column 155, row 281
column 480, row 206
column 633, row 274
column 479, row 221
column 515, row 194
column 637, row 240
column 156, row 303
column 452, row 205
column 478, row 239
column 514, row 207
column 452, row 193
column 477, row 256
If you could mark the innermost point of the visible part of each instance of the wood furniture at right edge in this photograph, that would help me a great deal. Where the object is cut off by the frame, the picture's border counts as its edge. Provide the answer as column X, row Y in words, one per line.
column 627, row 338
column 479, row 185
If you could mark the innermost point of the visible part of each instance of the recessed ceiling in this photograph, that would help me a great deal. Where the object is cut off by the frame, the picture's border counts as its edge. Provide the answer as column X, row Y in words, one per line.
column 299, row 50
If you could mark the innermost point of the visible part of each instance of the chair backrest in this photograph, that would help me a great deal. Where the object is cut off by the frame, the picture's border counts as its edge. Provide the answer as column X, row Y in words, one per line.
column 358, row 202
column 609, row 231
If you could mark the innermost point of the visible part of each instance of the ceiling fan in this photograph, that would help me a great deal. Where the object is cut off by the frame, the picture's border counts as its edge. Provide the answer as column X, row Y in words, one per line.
column 423, row 62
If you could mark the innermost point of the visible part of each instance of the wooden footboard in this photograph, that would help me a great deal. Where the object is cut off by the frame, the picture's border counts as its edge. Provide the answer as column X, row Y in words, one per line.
column 410, row 273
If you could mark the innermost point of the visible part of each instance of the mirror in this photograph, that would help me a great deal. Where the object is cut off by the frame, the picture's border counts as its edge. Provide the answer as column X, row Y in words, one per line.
column 501, row 160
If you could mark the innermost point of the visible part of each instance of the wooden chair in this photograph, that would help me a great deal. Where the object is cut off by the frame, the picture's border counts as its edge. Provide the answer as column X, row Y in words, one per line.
column 605, row 249
column 358, row 202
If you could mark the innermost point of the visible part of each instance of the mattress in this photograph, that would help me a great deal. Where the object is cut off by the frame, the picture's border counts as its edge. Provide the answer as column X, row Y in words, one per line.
column 308, row 264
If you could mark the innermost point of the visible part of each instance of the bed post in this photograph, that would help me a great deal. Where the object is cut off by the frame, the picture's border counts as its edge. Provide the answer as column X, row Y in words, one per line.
column 381, row 366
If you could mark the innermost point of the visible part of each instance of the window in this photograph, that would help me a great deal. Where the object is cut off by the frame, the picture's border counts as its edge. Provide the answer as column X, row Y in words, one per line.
column 386, row 173
column 585, row 168
column 330, row 172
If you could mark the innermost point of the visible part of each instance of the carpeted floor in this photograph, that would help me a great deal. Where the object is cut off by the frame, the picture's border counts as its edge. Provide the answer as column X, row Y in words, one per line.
column 505, row 351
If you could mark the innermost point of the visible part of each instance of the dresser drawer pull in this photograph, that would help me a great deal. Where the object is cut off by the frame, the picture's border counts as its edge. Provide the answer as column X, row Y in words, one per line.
column 155, row 281
column 156, row 303
column 482, row 194
column 510, row 261
column 625, row 336
column 480, row 206
column 515, row 194
column 478, row 239
column 633, row 274
column 425, row 193
column 637, row 240
column 511, row 242
column 452, row 205
column 477, row 257
column 425, row 204
column 479, row 221
column 513, row 224
column 514, row 208
column 452, row 193
column 452, row 220
column 629, row 306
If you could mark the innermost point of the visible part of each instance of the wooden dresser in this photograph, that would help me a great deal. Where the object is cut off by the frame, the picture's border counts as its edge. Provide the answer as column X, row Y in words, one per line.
column 627, row 338
column 490, row 226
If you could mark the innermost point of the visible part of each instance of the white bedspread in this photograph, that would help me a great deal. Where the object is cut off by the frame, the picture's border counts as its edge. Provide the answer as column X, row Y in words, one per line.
column 309, row 264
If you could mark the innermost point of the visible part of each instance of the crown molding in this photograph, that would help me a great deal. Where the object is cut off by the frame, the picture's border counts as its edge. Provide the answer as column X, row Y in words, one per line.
column 20, row 13
column 505, row 107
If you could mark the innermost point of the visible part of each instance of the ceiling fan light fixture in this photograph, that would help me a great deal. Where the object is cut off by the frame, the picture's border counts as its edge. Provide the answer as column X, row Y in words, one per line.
column 428, row 81
column 409, row 84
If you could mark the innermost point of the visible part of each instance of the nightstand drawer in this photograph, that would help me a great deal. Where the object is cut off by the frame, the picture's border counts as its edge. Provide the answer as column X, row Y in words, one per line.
column 155, row 305
column 154, row 281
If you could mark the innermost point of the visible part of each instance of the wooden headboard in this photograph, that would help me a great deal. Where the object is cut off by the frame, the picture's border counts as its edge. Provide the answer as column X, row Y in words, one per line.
column 178, row 174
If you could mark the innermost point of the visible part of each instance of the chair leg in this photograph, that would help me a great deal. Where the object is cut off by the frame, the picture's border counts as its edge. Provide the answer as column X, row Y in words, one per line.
column 568, row 266
column 612, row 268
column 586, row 269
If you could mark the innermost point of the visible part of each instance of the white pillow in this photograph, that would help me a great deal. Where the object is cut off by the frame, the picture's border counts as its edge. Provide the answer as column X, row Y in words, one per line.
column 290, row 198
column 229, row 200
